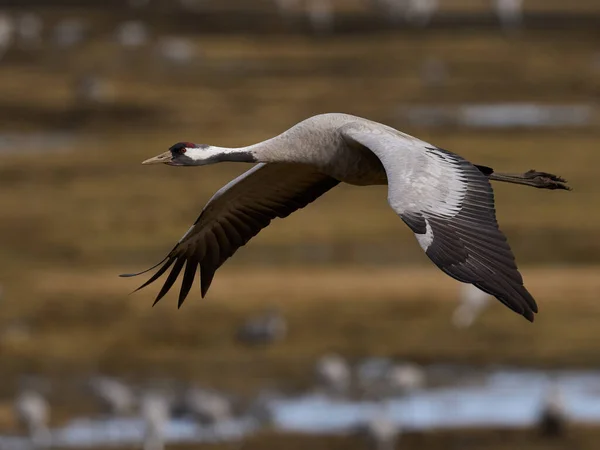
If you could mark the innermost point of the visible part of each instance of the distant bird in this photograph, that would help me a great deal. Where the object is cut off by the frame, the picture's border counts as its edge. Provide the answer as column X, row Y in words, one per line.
column 380, row 432
column 155, row 411
column 405, row 378
column 176, row 50
column 473, row 301
column 114, row 396
column 333, row 374
column 420, row 12
column 510, row 13
column 444, row 199
column 33, row 413
column 132, row 34
column 208, row 407
column 265, row 328
column 553, row 416
column 320, row 16
column 7, row 29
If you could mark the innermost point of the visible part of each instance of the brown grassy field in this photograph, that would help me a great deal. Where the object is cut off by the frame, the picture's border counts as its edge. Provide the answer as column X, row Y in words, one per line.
column 71, row 220
column 82, row 322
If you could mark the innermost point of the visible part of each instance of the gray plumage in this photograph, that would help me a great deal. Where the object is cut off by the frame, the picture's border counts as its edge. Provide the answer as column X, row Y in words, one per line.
column 446, row 201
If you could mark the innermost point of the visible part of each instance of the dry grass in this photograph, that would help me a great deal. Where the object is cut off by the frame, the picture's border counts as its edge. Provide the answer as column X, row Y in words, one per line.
column 74, row 219
column 83, row 322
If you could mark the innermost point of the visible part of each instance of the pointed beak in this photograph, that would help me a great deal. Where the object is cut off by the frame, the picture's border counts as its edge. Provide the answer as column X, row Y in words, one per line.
column 163, row 158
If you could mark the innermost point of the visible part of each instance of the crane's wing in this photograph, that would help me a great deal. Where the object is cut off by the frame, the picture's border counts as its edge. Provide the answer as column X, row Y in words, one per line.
column 236, row 213
column 449, row 204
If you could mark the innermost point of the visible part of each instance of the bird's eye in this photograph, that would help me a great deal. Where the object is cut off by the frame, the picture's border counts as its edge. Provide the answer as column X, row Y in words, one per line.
column 182, row 150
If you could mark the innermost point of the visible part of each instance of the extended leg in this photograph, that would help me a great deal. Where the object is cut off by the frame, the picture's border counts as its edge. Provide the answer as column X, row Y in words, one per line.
column 541, row 180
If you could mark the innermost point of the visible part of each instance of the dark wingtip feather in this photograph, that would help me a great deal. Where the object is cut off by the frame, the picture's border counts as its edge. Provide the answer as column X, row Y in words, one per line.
column 206, row 277
column 129, row 275
column 170, row 279
column 528, row 314
column 188, row 279
column 160, row 271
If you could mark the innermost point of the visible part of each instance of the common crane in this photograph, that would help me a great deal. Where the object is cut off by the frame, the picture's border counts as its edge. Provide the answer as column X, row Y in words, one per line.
column 446, row 201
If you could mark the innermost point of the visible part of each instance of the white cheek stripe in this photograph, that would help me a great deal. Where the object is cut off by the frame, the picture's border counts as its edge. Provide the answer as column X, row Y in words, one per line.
column 425, row 239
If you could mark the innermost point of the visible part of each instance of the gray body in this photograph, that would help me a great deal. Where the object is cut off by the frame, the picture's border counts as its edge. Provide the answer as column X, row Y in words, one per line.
column 444, row 199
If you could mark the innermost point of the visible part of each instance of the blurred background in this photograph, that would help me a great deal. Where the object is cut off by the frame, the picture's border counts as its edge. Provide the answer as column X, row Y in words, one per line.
column 331, row 329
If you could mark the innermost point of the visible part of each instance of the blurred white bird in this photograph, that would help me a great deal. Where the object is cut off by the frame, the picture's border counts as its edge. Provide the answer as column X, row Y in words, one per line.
column 175, row 50
column 420, row 12
column 320, row 16
column 510, row 13
column 472, row 303
column 7, row 29
column 207, row 406
column 33, row 413
column 132, row 34
column 155, row 411
column 115, row 397
column 333, row 374
column 405, row 378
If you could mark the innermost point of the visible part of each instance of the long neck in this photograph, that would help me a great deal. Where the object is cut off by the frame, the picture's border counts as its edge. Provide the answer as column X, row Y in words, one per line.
column 299, row 144
column 270, row 150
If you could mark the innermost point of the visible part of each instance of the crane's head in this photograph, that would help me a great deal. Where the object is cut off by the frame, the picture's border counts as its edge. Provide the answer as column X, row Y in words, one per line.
column 181, row 154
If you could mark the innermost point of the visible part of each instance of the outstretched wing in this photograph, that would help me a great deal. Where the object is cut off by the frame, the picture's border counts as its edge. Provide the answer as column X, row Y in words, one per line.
column 449, row 205
column 235, row 214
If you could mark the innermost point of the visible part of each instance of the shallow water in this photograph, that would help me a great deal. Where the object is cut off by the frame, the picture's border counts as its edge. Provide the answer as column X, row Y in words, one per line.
column 461, row 398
